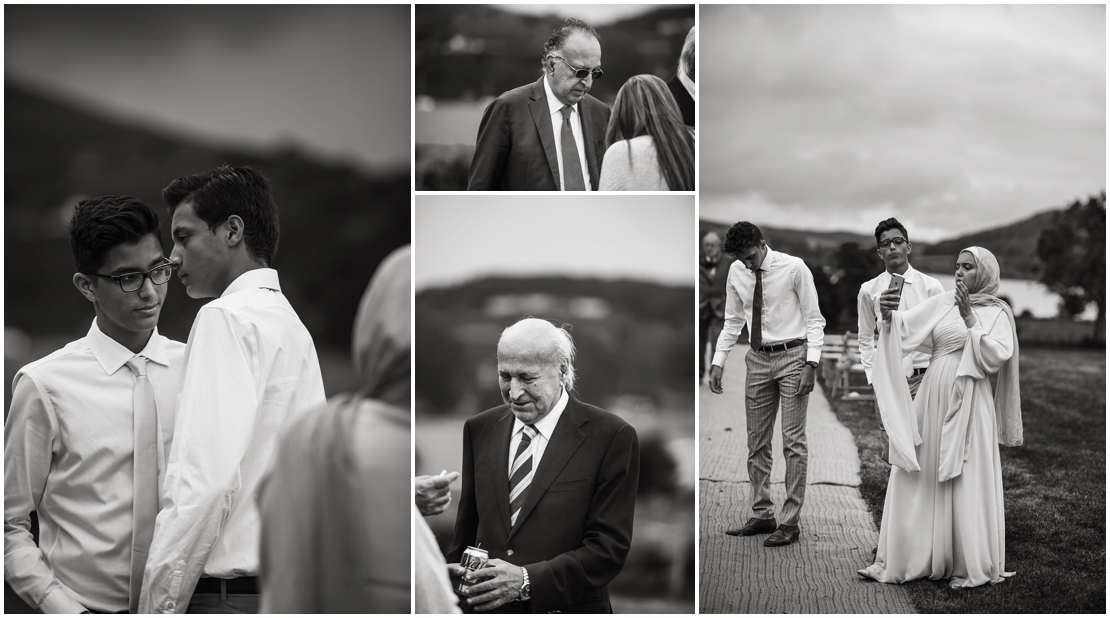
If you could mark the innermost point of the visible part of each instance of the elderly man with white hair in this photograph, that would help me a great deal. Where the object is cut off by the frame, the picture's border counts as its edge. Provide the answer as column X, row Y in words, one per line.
column 548, row 486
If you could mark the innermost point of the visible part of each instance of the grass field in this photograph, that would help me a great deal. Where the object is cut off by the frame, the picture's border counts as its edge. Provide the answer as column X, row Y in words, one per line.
column 1054, row 487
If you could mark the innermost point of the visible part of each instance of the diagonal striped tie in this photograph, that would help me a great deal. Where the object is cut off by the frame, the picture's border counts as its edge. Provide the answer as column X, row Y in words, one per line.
column 520, row 476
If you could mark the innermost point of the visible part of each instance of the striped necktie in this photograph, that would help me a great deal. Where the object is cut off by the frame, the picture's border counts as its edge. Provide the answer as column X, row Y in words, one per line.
column 520, row 476
column 145, row 506
column 573, row 180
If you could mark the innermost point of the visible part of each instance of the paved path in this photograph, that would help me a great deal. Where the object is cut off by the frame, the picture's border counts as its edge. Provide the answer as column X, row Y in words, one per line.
column 817, row 574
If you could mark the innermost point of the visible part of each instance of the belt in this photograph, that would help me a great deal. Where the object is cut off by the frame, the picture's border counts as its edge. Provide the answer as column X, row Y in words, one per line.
column 236, row 585
column 919, row 370
column 782, row 347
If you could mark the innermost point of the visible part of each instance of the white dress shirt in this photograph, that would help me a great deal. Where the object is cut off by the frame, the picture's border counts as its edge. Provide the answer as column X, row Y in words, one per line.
column 543, row 428
column 250, row 363
column 553, row 107
column 790, row 308
column 917, row 288
column 69, row 454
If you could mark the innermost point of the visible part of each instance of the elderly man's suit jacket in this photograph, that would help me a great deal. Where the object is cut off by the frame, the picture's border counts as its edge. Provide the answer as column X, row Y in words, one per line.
column 575, row 526
column 684, row 100
column 516, row 142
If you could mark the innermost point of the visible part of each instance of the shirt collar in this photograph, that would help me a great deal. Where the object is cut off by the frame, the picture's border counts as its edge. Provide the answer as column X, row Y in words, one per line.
column 258, row 278
column 112, row 355
column 546, row 425
column 911, row 275
column 553, row 103
column 768, row 260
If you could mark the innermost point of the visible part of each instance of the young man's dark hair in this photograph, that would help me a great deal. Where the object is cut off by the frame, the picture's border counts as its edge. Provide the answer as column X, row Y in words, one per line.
column 100, row 223
column 890, row 224
column 224, row 191
column 741, row 237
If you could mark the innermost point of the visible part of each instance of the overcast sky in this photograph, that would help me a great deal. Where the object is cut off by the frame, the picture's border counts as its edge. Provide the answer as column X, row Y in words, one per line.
column 953, row 119
column 595, row 14
column 460, row 238
column 334, row 79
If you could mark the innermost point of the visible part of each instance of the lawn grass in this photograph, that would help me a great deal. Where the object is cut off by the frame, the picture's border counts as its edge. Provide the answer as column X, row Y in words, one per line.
column 1054, row 490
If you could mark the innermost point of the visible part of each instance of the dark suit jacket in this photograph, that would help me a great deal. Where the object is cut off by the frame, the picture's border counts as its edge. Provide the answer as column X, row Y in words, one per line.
column 575, row 526
column 516, row 142
column 711, row 289
column 684, row 100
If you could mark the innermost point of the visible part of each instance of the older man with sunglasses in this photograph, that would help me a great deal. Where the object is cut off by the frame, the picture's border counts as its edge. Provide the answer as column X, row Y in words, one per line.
column 548, row 135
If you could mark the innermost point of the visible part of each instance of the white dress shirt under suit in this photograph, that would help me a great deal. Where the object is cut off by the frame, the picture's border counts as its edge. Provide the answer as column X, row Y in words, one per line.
column 250, row 363
column 68, row 454
column 790, row 308
column 544, row 429
column 918, row 287
column 553, row 107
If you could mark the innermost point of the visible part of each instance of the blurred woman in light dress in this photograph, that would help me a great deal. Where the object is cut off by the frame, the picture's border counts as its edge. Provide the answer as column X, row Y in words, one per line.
column 337, row 504
column 650, row 149
column 944, row 517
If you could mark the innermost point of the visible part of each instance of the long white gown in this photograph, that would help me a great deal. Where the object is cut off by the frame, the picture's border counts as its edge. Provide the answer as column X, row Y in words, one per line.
column 953, row 529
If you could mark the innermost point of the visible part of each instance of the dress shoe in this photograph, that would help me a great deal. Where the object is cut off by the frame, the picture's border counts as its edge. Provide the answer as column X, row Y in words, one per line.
column 785, row 535
column 754, row 526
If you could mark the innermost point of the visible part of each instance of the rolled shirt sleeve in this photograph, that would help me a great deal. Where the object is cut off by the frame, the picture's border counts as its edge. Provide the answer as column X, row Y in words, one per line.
column 734, row 320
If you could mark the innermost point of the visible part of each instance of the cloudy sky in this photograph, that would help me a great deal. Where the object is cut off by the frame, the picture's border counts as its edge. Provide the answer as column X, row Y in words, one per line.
column 595, row 14
column 953, row 119
column 460, row 238
column 332, row 79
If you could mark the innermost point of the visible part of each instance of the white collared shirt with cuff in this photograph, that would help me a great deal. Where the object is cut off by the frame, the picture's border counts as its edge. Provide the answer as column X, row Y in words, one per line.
column 69, row 455
column 918, row 287
column 249, row 364
column 790, row 309
column 553, row 107
column 544, row 428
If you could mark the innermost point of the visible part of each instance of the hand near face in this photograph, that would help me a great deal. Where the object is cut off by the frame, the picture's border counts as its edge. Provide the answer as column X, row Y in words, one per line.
column 963, row 301
column 433, row 493
column 498, row 583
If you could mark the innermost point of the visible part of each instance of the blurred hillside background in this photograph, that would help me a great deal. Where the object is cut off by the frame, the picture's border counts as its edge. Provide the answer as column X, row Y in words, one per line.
column 467, row 55
column 619, row 272
column 106, row 100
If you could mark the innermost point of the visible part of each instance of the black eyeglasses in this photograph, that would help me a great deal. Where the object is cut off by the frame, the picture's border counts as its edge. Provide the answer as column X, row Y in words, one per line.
column 582, row 73
column 130, row 282
column 897, row 240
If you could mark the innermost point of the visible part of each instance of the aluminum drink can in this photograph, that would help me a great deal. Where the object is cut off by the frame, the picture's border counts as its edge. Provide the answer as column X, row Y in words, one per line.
column 473, row 558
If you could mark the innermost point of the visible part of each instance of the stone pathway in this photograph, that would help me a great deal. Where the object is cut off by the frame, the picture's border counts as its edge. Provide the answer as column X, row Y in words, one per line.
column 817, row 574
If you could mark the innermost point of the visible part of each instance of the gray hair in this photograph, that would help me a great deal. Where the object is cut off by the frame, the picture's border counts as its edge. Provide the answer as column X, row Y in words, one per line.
column 558, row 38
column 688, row 55
column 565, row 352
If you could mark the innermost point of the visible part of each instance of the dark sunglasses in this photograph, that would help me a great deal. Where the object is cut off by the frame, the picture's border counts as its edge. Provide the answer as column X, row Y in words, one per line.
column 582, row 73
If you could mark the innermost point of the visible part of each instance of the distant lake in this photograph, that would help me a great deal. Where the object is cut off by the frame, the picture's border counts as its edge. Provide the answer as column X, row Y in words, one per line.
column 448, row 122
column 1024, row 294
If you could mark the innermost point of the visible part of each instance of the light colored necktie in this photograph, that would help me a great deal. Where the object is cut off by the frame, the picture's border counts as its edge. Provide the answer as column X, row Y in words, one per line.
column 520, row 476
column 145, row 507
column 572, row 166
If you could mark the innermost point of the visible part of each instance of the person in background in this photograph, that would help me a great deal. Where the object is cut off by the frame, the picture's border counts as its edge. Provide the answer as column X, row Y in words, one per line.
column 649, row 147
column 712, row 280
column 682, row 85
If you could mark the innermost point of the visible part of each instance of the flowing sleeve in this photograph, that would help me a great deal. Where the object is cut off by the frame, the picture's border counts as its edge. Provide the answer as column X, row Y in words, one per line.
column 991, row 341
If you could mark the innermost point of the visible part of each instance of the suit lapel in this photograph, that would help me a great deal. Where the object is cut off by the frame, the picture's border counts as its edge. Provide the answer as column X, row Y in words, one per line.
column 565, row 440
column 541, row 115
column 496, row 462
column 588, row 137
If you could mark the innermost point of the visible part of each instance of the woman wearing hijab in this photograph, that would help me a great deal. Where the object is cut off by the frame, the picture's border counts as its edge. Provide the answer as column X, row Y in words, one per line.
column 336, row 506
column 650, row 149
column 943, row 517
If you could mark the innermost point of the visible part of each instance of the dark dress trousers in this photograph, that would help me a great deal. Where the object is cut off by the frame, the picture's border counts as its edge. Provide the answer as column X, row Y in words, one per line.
column 684, row 100
column 575, row 526
column 516, row 142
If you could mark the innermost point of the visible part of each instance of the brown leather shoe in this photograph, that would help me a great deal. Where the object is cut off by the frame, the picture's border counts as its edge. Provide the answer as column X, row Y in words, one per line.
column 754, row 526
column 785, row 535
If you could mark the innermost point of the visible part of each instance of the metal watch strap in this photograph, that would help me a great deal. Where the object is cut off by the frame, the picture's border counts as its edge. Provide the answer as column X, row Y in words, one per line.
column 526, row 587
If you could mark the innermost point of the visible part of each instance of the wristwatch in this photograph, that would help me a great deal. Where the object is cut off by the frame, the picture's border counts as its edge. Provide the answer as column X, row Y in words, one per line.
column 812, row 364
column 526, row 587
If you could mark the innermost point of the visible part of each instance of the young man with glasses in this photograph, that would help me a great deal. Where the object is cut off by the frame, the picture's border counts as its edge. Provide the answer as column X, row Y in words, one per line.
column 250, row 363
column 894, row 250
column 90, row 425
column 548, row 135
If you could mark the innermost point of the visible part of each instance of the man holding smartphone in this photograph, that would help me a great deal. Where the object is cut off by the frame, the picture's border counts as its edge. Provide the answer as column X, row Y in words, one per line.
column 899, row 281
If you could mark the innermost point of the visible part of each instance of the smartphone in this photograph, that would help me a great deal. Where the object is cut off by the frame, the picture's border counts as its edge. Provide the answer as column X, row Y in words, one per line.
column 896, row 283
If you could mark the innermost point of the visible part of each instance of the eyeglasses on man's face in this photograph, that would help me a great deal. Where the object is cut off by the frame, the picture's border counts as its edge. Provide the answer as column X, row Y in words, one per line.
column 130, row 282
column 898, row 241
column 581, row 73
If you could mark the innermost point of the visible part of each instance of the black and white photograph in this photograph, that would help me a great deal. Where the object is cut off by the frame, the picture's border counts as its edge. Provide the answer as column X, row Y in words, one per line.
column 554, row 409
column 902, row 362
column 207, row 319
column 504, row 91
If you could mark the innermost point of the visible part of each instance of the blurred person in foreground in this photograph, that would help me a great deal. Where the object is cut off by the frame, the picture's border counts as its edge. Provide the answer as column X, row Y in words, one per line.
column 548, row 135
column 336, row 506
column 943, row 517
column 682, row 85
column 250, row 363
column 773, row 293
column 549, row 486
column 712, row 280
column 649, row 147
column 89, row 427
column 432, row 587
column 894, row 249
